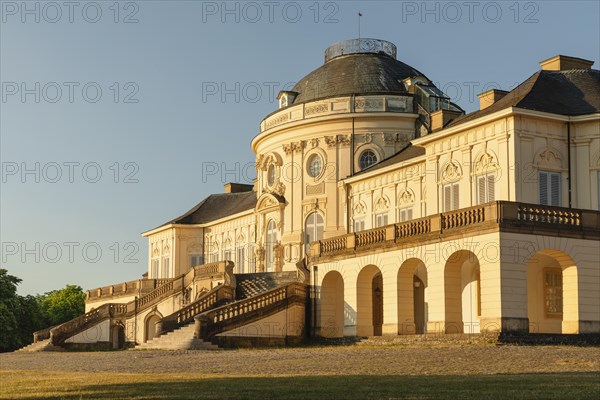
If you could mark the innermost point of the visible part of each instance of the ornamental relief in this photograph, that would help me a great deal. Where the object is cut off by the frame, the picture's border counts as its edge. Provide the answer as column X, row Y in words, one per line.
column 406, row 197
column 294, row 147
column 451, row 172
column 382, row 204
column 549, row 158
column 333, row 141
column 486, row 163
column 359, row 208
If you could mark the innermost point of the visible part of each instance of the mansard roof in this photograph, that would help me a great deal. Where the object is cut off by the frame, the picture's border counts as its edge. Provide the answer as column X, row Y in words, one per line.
column 409, row 152
column 570, row 92
column 217, row 206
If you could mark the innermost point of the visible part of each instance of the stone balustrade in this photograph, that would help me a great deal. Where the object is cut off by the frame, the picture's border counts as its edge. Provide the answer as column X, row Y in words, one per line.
column 503, row 215
column 338, row 105
column 130, row 288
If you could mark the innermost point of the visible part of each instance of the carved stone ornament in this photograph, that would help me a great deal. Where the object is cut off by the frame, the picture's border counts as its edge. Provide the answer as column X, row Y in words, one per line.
column 381, row 204
column 406, row 197
column 451, row 171
column 359, row 209
column 549, row 158
column 486, row 163
column 279, row 189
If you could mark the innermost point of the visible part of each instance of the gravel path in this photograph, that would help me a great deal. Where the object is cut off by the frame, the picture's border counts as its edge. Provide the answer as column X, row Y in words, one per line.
column 339, row 360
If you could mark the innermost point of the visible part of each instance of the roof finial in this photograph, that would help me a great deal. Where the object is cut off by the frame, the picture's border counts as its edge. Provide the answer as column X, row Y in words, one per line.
column 359, row 15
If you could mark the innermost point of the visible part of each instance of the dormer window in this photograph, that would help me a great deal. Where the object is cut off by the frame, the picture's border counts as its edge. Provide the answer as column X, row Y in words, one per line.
column 286, row 98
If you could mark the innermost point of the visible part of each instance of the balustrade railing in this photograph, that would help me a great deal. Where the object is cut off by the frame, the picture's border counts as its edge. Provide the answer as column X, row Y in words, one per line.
column 500, row 212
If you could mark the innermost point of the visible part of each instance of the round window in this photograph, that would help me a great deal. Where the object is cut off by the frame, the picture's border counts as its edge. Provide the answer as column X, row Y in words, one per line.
column 315, row 165
column 271, row 175
column 366, row 159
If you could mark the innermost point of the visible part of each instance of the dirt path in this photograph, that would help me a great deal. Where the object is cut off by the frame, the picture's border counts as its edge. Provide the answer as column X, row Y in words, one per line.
column 309, row 361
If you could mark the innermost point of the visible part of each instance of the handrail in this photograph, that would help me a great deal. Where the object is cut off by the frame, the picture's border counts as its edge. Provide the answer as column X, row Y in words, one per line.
column 205, row 302
column 500, row 213
column 227, row 317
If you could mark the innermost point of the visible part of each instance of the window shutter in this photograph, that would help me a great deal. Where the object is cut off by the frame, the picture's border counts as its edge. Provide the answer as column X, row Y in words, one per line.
column 543, row 188
column 447, row 198
column 402, row 215
column 481, row 189
column 409, row 214
column 555, row 189
column 455, row 196
column 491, row 182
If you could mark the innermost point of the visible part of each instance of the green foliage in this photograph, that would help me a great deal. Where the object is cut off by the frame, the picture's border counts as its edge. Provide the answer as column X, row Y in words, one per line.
column 20, row 316
column 62, row 305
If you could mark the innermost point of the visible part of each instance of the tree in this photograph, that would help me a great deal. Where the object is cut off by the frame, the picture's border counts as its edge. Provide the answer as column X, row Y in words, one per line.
column 62, row 305
column 9, row 302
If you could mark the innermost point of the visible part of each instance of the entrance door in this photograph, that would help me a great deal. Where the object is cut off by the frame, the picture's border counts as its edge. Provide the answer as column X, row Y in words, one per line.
column 377, row 304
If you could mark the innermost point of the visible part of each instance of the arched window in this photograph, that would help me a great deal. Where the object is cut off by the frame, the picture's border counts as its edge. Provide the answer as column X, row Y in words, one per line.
column 270, row 245
column 313, row 229
column 366, row 159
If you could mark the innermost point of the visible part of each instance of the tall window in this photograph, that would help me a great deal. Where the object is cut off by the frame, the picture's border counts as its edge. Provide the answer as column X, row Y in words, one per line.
column 251, row 258
column 359, row 224
column 553, row 293
column 270, row 245
column 241, row 259
column 549, row 188
column 405, row 214
column 227, row 255
column 166, row 268
column 450, row 197
column 196, row 259
column 155, row 262
column 486, row 188
column 381, row 219
column 313, row 230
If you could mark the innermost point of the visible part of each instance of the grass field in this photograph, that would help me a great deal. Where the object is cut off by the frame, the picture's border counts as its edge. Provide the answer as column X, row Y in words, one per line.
column 85, row 385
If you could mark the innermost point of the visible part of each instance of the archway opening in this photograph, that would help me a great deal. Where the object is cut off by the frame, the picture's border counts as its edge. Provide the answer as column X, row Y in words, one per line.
column 462, row 293
column 369, row 300
column 552, row 293
column 412, row 310
column 151, row 331
column 331, row 320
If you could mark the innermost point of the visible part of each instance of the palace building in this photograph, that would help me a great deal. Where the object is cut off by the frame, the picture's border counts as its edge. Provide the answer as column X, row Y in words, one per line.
column 381, row 208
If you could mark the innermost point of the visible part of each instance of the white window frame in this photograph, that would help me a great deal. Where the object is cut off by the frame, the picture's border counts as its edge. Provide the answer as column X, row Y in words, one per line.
column 381, row 219
column 553, row 183
column 313, row 231
column 358, row 224
column 453, row 199
column 405, row 214
column 240, row 259
column 271, row 238
column 155, row 267
column 196, row 259
column 165, row 267
column 485, row 188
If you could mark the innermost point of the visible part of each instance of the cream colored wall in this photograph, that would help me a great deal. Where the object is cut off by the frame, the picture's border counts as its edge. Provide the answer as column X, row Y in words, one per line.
column 541, row 144
column 231, row 234
column 331, row 137
column 435, row 257
column 97, row 333
column 114, row 300
column 289, row 322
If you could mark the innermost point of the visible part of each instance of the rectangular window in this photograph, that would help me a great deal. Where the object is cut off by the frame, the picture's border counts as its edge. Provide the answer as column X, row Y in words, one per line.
column 196, row 259
column 251, row 259
column 450, row 197
column 486, row 188
column 154, row 272
column 359, row 225
column 241, row 260
column 166, row 268
column 227, row 255
column 553, row 293
column 549, row 188
column 405, row 214
column 381, row 220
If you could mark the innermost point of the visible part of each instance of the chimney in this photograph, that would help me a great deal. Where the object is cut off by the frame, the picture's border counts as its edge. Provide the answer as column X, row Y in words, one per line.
column 565, row 63
column 237, row 188
column 440, row 118
column 488, row 98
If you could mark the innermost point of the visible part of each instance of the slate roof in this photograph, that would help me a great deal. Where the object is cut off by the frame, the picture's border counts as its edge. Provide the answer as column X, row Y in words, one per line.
column 217, row 206
column 405, row 154
column 355, row 74
column 570, row 92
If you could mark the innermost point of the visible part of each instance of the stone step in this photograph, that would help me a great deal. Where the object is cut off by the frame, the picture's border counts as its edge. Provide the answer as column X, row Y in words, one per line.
column 43, row 345
column 179, row 339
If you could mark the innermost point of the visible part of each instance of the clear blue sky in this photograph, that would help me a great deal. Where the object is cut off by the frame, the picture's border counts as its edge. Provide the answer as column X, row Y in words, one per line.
column 156, row 121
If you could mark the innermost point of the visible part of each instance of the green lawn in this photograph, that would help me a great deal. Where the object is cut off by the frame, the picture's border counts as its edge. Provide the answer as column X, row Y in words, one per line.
column 80, row 385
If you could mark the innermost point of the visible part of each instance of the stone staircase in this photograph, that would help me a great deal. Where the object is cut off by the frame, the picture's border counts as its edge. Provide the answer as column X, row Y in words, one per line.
column 43, row 345
column 250, row 285
column 179, row 339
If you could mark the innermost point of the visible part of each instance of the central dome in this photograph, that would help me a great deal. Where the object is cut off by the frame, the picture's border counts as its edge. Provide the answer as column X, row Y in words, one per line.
column 357, row 66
